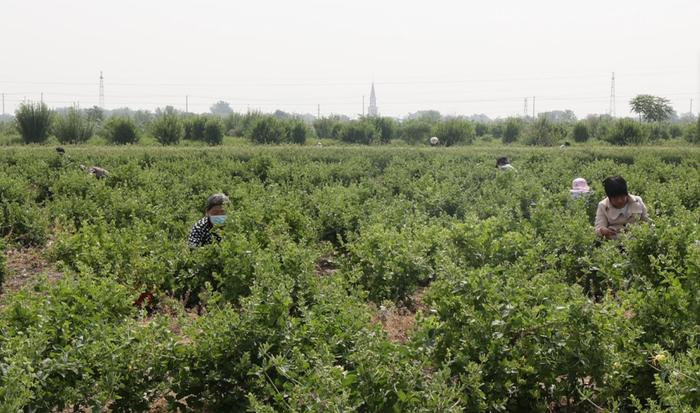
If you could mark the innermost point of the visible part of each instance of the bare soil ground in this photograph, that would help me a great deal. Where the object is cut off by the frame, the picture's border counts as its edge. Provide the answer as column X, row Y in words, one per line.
column 398, row 321
column 325, row 266
column 23, row 267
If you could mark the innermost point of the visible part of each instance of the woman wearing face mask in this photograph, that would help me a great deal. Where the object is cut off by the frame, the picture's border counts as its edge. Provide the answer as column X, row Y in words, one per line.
column 201, row 233
column 618, row 209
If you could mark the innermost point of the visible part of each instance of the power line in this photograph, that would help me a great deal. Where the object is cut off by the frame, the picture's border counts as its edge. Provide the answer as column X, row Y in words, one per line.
column 272, row 102
column 350, row 83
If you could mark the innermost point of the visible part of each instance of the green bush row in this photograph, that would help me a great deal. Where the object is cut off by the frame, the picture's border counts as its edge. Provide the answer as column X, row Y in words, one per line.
column 520, row 307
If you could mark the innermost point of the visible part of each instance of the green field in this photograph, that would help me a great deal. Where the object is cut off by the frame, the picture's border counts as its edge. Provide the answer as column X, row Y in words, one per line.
column 372, row 279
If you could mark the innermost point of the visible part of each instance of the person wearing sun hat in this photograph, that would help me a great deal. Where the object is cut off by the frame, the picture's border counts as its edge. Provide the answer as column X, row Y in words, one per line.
column 580, row 188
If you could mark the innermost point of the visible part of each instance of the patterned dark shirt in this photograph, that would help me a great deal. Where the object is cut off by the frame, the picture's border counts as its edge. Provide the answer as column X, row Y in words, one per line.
column 201, row 234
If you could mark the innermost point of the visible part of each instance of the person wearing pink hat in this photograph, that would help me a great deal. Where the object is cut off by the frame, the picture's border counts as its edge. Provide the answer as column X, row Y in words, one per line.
column 580, row 188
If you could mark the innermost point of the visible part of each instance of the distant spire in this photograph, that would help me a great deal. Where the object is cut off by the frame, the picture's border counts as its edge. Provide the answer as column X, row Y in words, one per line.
column 372, row 110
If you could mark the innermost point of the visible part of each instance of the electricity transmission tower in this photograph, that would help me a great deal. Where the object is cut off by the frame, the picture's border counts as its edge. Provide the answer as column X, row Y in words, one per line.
column 102, row 91
column 525, row 110
column 612, row 96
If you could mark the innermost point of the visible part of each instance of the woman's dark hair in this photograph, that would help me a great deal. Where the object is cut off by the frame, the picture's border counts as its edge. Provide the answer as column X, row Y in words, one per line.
column 501, row 161
column 615, row 186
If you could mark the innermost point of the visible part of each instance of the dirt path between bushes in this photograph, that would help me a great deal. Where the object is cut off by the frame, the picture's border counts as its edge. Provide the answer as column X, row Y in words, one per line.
column 24, row 266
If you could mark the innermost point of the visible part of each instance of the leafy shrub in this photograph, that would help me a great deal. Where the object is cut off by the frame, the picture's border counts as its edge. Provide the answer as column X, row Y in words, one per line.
column 266, row 130
column 391, row 263
column 497, row 130
column 54, row 346
column 361, row 131
column 33, row 122
column 657, row 131
column 490, row 321
column 580, row 132
column 386, row 127
column 23, row 223
column 675, row 130
column 676, row 381
column 599, row 125
column 213, row 131
column 328, row 127
column 454, row 132
column 692, row 133
column 3, row 269
column 511, row 131
column 626, row 132
column 278, row 341
column 415, row 131
column 233, row 123
column 543, row 132
column 73, row 127
column 517, row 304
column 121, row 131
column 21, row 219
column 297, row 131
column 167, row 128
column 480, row 129
column 194, row 127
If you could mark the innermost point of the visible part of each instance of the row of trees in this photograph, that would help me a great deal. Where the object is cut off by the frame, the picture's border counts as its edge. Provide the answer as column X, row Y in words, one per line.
column 621, row 131
column 35, row 122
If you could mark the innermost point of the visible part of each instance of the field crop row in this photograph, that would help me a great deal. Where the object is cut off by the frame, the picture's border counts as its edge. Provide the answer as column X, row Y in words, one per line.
column 509, row 301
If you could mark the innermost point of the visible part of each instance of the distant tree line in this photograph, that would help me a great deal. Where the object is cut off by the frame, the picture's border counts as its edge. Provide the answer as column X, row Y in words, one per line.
column 656, row 122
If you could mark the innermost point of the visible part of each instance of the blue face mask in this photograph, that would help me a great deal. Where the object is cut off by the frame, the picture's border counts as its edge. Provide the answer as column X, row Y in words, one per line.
column 217, row 219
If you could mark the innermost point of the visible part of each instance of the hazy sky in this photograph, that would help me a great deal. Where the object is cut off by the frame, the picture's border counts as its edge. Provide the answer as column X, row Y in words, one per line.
column 459, row 57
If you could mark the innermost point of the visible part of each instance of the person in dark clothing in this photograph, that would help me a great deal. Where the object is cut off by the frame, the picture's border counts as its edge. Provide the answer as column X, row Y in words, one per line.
column 503, row 165
column 215, row 216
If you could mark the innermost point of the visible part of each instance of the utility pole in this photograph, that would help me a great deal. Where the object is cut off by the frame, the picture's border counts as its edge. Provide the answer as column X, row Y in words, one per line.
column 102, row 91
column 318, row 111
column 187, row 104
column 525, row 111
column 533, row 107
column 612, row 96
column 41, row 98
